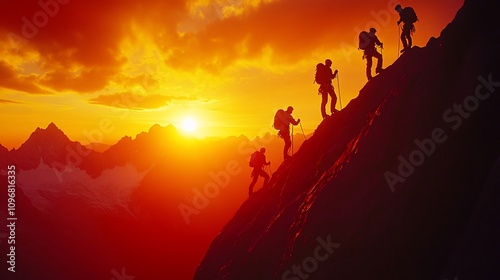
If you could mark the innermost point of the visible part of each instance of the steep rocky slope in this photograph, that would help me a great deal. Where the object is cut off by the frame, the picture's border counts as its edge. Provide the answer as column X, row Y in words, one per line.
column 402, row 184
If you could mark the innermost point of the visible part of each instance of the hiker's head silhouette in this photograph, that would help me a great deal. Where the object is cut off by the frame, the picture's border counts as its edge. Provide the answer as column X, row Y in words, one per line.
column 328, row 63
column 373, row 30
column 289, row 110
column 398, row 8
column 262, row 150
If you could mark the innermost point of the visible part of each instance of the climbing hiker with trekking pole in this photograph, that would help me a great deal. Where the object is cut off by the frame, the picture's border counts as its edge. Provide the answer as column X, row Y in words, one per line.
column 324, row 77
column 258, row 161
column 408, row 16
column 282, row 121
column 368, row 42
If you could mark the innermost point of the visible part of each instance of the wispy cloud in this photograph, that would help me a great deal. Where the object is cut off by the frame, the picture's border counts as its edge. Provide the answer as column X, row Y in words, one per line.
column 135, row 101
column 8, row 101
column 10, row 79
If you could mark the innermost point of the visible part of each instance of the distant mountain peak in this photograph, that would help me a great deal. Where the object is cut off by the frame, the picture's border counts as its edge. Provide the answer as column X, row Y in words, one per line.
column 157, row 129
column 52, row 126
column 48, row 136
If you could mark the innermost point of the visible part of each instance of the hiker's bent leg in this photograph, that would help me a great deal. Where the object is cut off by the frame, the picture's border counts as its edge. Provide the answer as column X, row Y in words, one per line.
column 334, row 101
column 252, row 184
column 324, row 100
column 288, row 144
column 379, row 60
column 265, row 176
column 369, row 62
column 403, row 38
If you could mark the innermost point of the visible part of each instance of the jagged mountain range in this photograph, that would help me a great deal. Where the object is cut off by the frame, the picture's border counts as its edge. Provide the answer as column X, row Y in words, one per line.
column 86, row 214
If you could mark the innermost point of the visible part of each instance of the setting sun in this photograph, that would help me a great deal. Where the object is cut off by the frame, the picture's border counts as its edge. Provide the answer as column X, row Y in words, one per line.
column 189, row 125
column 133, row 68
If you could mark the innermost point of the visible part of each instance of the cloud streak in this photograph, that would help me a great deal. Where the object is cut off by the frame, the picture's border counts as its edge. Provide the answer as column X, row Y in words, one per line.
column 10, row 79
column 8, row 101
column 134, row 101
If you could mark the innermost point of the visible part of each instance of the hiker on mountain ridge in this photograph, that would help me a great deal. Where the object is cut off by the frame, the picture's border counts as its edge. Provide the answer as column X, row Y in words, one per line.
column 324, row 78
column 257, row 161
column 370, row 51
column 408, row 17
column 282, row 121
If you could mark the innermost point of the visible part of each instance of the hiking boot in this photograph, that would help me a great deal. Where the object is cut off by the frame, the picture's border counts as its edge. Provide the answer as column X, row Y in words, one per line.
column 325, row 116
column 378, row 70
column 287, row 157
column 335, row 111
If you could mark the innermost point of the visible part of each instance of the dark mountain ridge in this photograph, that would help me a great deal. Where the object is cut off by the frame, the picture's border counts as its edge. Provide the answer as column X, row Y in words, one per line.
column 120, row 208
column 392, row 186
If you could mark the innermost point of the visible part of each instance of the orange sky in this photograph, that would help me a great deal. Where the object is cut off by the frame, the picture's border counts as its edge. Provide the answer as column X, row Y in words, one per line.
column 104, row 69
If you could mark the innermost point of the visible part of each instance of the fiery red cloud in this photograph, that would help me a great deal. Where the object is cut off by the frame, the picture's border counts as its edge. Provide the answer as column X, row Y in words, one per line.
column 79, row 43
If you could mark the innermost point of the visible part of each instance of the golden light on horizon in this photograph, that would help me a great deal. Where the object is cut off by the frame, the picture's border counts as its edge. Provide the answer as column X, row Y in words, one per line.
column 157, row 62
column 189, row 125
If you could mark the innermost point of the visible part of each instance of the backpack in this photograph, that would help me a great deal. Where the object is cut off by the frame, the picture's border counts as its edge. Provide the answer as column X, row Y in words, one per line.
column 321, row 74
column 364, row 40
column 254, row 159
column 410, row 15
column 278, row 122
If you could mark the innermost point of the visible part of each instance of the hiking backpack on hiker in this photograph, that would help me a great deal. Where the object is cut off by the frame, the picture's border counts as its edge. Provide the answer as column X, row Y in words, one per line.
column 364, row 40
column 254, row 159
column 321, row 76
column 409, row 15
column 278, row 120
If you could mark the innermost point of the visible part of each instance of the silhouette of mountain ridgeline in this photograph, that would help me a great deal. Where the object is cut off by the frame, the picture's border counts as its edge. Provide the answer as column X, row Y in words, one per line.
column 52, row 147
column 402, row 184
column 127, row 199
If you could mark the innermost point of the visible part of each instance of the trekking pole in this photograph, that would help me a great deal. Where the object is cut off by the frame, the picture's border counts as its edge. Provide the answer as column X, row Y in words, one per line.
column 338, row 84
column 305, row 138
column 292, row 140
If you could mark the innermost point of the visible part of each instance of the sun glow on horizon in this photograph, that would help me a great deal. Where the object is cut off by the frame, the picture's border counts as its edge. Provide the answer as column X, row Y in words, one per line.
column 189, row 125
column 171, row 64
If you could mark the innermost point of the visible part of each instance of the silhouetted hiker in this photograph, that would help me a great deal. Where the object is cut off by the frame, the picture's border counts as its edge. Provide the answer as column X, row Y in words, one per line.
column 367, row 42
column 408, row 17
column 257, row 161
column 282, row 121
column 324, row 78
